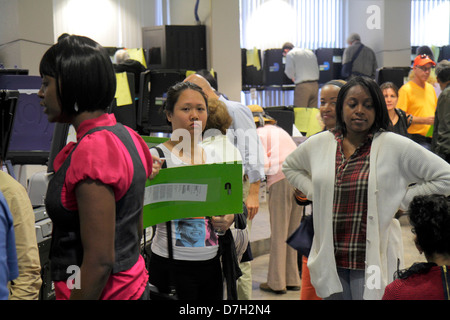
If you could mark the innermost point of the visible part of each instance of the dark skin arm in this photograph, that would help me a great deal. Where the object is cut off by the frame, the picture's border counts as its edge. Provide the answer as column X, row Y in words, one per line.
column 97, row 207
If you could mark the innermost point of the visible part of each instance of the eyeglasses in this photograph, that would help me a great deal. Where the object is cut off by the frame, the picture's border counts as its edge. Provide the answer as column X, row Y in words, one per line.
column 425, row 69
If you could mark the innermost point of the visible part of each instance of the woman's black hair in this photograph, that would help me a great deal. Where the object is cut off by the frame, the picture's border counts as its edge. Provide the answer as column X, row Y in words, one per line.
column 84, row 72
column 382, row 121
column 429, row 217
column 174, row 92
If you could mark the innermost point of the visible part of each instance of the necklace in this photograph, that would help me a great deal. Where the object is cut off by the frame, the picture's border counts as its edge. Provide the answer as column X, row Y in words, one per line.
column 394, row 118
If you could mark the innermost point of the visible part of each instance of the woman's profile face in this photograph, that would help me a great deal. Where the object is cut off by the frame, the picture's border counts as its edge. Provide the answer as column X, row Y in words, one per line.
column 189, row 112
column 50, row 101
column 358, row 111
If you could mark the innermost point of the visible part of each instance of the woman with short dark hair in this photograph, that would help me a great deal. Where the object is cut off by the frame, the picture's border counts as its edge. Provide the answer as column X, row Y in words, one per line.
column 95, row 197
column 358, row 176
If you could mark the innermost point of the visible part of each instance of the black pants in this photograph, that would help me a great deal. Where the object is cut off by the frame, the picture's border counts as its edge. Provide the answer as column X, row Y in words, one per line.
column 146, row 293
column 194, row 280
column 422, row 140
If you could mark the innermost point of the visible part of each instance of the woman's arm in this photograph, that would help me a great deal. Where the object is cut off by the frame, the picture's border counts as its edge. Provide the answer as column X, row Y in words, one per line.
column 97, row 207
column 423, row 120
column 427, row 172
column 222, row 223
column 297, row 171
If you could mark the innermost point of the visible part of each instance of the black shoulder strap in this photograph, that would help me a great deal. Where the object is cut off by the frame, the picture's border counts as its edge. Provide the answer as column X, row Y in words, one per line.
column 168, row 223
column 161, row 155
column 357, row 53
column 172, row 288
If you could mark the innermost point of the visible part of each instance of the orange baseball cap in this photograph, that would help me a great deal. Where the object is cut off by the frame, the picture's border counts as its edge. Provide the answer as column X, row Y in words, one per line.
column 422, row 60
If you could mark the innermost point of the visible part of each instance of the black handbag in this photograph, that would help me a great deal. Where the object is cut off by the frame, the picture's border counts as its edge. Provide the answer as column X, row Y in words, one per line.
column 155, row 294
column 347, row 67
column 301, row 239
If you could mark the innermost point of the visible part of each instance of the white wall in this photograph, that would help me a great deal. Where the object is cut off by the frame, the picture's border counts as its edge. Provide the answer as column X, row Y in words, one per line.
column 384, row 25
column 226, row 48
column 397, row 34
column 23, row 19
column 221, row 19
column 26, row 33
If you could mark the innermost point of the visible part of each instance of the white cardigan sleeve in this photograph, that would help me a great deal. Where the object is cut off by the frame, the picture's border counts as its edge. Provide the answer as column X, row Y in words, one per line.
column 297, row 169
column 427, row 173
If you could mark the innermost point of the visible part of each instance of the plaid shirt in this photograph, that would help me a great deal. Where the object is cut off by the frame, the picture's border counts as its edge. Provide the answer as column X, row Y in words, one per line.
column 350, row 205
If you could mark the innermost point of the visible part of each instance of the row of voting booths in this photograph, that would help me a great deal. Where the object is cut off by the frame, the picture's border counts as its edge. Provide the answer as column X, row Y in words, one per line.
column 264, row 83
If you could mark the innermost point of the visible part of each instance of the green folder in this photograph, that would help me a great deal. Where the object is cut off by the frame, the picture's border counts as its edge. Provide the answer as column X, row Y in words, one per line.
column 193, row 191
column 154, row 141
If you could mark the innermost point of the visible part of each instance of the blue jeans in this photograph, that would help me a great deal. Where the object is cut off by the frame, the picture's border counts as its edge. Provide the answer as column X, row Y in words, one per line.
column 352, row 283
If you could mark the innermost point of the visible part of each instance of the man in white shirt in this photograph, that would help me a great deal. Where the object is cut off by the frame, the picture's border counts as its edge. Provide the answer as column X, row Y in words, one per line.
column 302, row 67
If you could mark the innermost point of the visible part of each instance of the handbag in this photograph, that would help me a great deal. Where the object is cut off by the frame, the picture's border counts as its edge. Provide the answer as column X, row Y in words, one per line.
column 301, row 239
column 155, row 294
column 347, row 67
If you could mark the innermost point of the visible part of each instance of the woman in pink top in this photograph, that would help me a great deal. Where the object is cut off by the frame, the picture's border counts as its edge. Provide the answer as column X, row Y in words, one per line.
column 285, row 214
column 95, row 197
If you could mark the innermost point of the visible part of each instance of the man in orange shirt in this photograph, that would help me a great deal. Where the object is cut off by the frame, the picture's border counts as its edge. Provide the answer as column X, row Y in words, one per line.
column 418, row 98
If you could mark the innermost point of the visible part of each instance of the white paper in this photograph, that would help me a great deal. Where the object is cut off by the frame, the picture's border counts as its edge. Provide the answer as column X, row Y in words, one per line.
column 175, row 192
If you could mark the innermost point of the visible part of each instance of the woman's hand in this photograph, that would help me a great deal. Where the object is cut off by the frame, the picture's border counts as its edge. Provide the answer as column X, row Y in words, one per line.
column 301, row 198
column 252, row 201
column 222, row 223
column 157, row 165
column 298, row 194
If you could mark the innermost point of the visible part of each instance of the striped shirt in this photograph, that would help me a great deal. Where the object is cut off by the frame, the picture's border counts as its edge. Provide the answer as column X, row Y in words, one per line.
column 350, row 205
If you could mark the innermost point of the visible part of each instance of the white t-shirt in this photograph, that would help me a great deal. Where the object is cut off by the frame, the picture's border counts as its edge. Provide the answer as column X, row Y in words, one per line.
column 193, row 239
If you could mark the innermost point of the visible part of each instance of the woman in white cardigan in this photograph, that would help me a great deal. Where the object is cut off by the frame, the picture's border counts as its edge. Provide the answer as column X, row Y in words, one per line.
column 391, row 170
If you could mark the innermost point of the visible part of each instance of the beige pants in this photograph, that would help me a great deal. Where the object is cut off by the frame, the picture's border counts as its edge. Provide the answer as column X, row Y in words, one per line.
column 285, row 216
column 306, row 95
column 244, row 283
